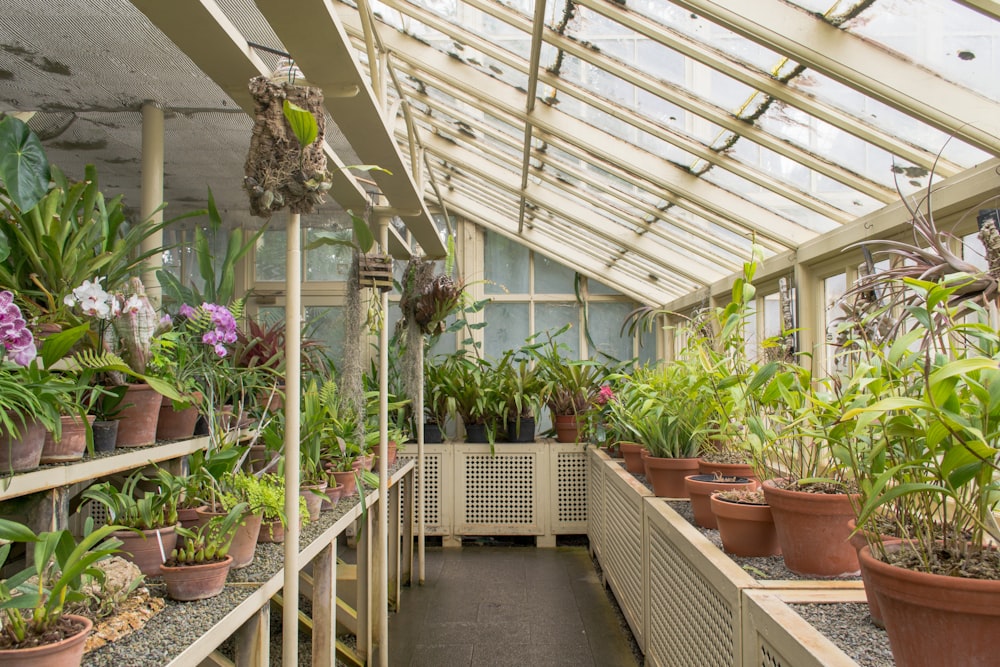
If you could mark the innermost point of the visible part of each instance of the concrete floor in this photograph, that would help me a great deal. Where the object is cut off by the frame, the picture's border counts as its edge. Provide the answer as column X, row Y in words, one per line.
column 504, row 606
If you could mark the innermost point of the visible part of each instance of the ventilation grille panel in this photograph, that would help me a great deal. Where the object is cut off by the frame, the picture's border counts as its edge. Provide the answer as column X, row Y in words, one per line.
column 433, row 520
column 571, row 484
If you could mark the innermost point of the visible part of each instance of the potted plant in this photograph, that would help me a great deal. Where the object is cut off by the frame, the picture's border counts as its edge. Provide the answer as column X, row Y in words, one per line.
column 197, row 569
column 36, row 626
column 106, row 406
column 520, row 387
column 745, row 524
column 147, row 517
column 438, row 402
column 233, row 487
column 470, row 384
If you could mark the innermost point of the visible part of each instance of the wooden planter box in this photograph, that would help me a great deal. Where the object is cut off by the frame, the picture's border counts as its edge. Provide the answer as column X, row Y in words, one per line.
column 375, row 271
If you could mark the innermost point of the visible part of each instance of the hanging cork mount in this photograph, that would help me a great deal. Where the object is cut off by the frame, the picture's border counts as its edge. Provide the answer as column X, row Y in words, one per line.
column 375, row 272
column 279, row 173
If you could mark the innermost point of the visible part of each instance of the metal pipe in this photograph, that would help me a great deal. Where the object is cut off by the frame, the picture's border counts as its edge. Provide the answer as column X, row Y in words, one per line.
column 293, row 333
column 420, row 463
column 382, row 555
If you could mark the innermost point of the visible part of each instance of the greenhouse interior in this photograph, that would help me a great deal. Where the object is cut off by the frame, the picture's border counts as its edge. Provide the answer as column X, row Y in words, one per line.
column 626, row 332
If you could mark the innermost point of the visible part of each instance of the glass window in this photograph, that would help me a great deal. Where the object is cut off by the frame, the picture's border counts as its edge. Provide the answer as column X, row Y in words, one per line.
column 269, row 257
column 507, row 328
column 552, row 277
column 553, row 316
column 328, row 262
column 772, row 315
column 605, row 328
column 326, row 324
column 647, row 346
column 597, row 287
column 505, row 265
column 833, row 289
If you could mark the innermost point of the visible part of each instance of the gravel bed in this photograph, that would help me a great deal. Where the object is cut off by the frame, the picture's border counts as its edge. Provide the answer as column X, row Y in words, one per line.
column 849, row 627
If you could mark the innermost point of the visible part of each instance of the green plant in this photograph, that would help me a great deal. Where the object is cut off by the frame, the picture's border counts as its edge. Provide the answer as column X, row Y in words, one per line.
column 519, row 386
column 60, row 566
column 210, row 541
column 471, row 385
column 569, row 385
column 671, row 417
column 263, row 493
column 438, row 402
column 133, row 507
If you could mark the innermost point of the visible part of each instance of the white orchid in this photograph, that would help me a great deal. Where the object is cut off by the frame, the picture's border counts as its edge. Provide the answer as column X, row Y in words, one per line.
column 93, row 300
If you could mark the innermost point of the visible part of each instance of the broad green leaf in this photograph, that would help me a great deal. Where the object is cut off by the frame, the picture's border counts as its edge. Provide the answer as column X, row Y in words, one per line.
column 302, row 122
column 363, row 234
column 24, row 169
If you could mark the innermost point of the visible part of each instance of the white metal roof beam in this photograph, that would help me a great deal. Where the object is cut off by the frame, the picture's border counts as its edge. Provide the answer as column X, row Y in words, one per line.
column 860, row 64
column 529, row 106
column 989, row 8
column 770, row 85
column 321, row 48
column 685, row 188
column 674, row 95
column 566, row 207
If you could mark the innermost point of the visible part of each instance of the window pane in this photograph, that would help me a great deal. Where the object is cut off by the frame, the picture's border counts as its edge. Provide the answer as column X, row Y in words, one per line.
column 552, row 277
column 507, row 328
column 552, row 316
column 269, row 257
column 647, row 346
column 505, row 265
column 328, row 262
column 597, row 287
column 605, row 324
column 326, row 324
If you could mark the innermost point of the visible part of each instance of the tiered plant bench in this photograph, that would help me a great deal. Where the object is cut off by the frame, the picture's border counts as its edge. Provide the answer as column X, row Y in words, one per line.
column 536, row 488
column 688, row 603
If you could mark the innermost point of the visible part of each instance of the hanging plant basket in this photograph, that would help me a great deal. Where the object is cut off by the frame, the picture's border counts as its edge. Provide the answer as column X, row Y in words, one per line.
column 375, row 272
column 278, row 172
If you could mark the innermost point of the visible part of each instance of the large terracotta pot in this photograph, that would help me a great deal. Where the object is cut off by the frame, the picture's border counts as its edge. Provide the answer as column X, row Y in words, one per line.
column 346, row 480
column 333, row 494
column 567, row 428
column 72, row 443
column 144, row 549
column 859, row 540
column 746, row 530
column 139, row 419
column 632, row 455
column 198, row 581
column 314, row 495
column 174, row 424
column 933, row 619
column 727, row 470
column 392, row 452
column 699, row 489
column 667, row 475
column 271, row 532
column 244, row 540
column 65, row 653
column 22, row 452
column 812, row 530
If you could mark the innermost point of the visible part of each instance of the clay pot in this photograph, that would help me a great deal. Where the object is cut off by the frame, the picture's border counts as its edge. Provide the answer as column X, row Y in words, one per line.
column 69, row 651
column 932, row 619
column 859, row 540
column 667, row 475
column 196, row 582
column 137, row 427
column 71, row 445
column 314, row 495
column 271, row 532
column 727, row 470
column 143, row 548
column 632, row 455
column 746, row 530
column 105, row 435
column 392, row 453
column 245, row 539
column 333, row 494
column 174, row 424
column 188, row 516
column 567, row 428
column 812, row 530
column 346, row 480
column 24, row 452
column 700, row 488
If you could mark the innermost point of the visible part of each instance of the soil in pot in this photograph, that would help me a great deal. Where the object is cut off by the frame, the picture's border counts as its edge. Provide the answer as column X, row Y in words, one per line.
column 105, row 435
column 700, row 487
column 745, row 529
column 244, row 541
column 66, row 651
column 22, row 452
column 812, row 530
column 196, row 581
column 725, row 469
column 934, row 619
column 632, row 455
column 71, row 445
column 333, row 494
column 667, row 475
column 146, row 549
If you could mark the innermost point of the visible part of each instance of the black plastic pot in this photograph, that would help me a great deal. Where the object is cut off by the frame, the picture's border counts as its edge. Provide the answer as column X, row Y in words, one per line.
column 432, row 434
column 475, row 433
column 526, row 433
column 105, row 434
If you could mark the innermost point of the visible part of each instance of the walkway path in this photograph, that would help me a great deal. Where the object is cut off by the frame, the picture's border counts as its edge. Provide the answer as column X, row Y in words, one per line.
column 505, row 607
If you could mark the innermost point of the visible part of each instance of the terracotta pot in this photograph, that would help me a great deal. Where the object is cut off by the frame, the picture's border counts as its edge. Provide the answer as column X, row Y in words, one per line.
column 746, row 530
column 196, row 582
column 258, row 457
column 71, row 445
column 144, row 549
column 632, row 455
column 700, row 487
column 245, row 539
column 667, row 475
column 728, row 470
column 69, row 651
column 174, row 424
column 139, row 419
column 105, row 435
column 812, row 530
column 392, row 453
column 932, row 619
column 272, row 532
column 24, row 452
column 346, row 480
column 859, row 540
column 567, row 428
column 314, row 495
column 333, row 494
column 188, row 516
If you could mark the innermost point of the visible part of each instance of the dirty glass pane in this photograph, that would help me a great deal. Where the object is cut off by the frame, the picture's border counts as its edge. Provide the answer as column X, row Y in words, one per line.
column 605, row 324
column 506, row 329
column 326, row 324
column 647, row 347
column 269, row 257
column 551, row 317
column 597, row 287
column 552, row 277
column 505, row 265
column 328, row 262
